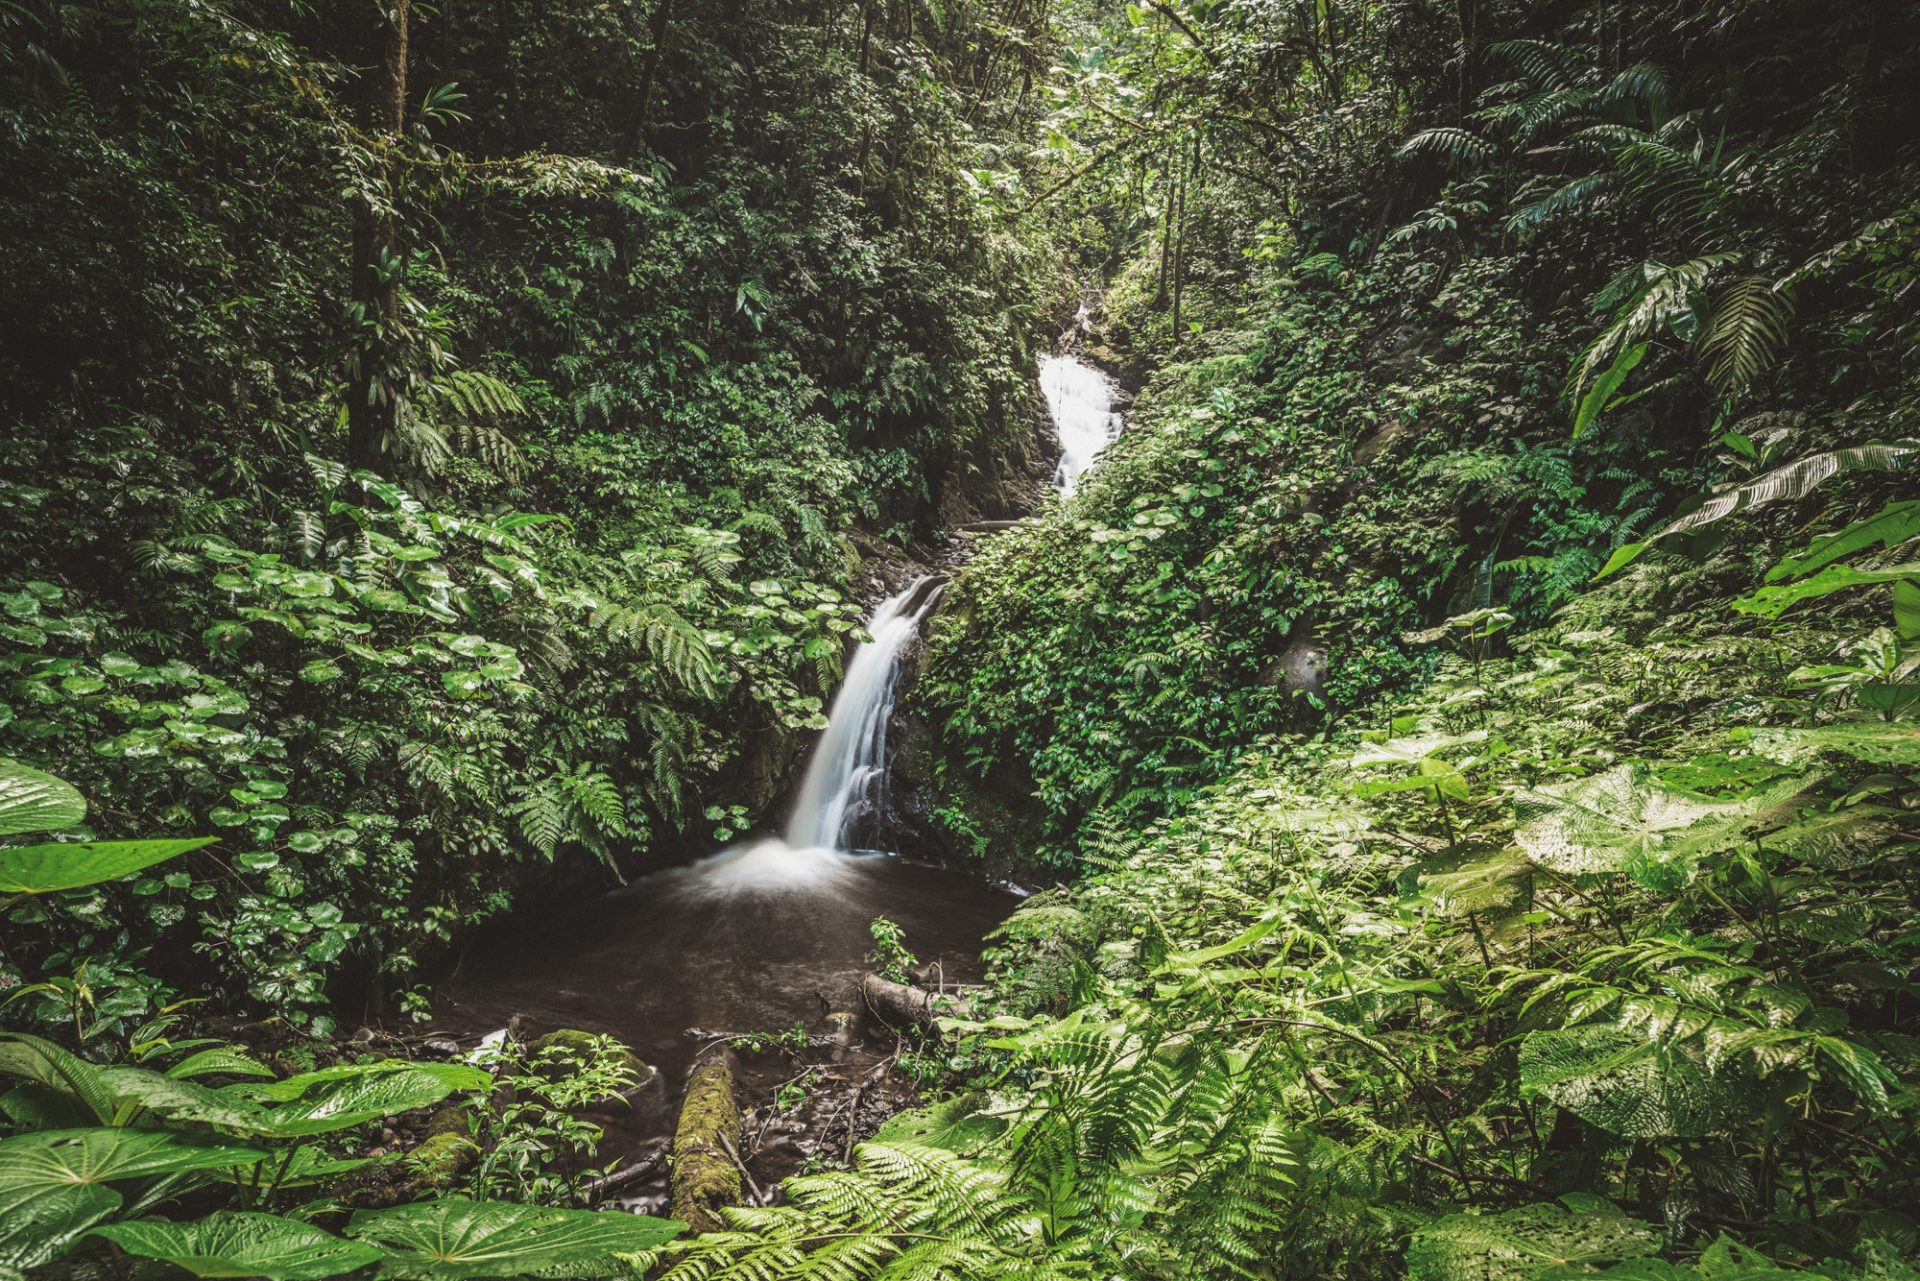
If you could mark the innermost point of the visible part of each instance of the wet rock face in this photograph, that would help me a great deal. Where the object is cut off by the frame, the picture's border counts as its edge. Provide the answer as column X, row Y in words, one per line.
column 765, row 769
column 1006, row 819
column 1004, row 474
column 1301, row 668
column 909, row 799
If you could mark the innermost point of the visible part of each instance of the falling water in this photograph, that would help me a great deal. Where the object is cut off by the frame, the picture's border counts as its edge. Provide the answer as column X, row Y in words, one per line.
column 846, row 781
column 1080, row 398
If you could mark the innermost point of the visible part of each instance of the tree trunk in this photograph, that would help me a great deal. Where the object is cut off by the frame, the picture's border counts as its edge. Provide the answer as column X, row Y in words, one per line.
column 1179, row 251
column 1463, row 11
column 372, row 396
column 705, row 1177
column 636, row 130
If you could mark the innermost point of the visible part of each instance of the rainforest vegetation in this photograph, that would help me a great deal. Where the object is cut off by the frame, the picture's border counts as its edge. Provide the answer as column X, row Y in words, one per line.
column 1467, row 728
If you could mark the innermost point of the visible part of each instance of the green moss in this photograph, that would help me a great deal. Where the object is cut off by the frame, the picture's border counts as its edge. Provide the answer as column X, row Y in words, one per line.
column 705, row 1177
column 435, row 1165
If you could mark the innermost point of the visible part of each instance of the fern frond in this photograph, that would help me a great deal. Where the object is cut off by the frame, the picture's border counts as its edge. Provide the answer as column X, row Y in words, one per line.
column 1543, row 63
column 491, row 446
column 1745, row 333
column 543, row 813
column 1457, row 147
column 309, row 533
column 1575, row 196
column 1643, row 85
column 477, row 394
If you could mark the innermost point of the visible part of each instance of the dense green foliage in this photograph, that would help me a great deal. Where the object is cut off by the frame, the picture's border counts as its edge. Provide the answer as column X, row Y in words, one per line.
column 1550, row 928
column 1471, row 712
column 1637, row 275
column 529, row 544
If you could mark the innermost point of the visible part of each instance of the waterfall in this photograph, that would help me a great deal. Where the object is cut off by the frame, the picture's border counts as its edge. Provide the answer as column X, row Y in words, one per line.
column 1080, row 398
column 846, row 779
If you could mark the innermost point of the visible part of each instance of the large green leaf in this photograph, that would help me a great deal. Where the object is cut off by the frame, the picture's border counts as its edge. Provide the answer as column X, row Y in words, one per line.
column 1628, row 1084
column 186, row 1101
column 452, row 1238
column 1605, row 386
column 1906, row 609
column 1627, row 817
column 1411, row 751
column 338, row 1097
column 34, row 801
column 1479, row 886
column 52, row 1183
column 1892, row 525
column 1877, row 742
column 1841, row 838
column 1795, row 480
column 38, row 1223
column 221, row 1060
column 1578, row 1234
column 1773, row 601
column 231, row 1244
column 41, row 869
column 43, row 1062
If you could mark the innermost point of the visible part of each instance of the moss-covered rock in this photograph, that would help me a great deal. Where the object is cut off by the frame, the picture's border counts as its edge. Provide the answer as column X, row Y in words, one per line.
column 437, row 1164
column 580, row 1045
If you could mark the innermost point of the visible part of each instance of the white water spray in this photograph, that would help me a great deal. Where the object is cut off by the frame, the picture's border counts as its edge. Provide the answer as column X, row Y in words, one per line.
column 846, row 779
column 1080, row 398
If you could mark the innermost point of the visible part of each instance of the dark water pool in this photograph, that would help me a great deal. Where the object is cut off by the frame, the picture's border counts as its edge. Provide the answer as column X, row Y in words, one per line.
column 752, row 939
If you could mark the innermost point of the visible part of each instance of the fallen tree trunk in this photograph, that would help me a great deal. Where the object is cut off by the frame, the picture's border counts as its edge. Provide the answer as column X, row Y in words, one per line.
column 705, row 1177
column 902, row 1005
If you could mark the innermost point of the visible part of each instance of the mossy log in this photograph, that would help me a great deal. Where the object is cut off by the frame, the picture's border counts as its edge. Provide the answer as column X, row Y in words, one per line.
column 705, row 1175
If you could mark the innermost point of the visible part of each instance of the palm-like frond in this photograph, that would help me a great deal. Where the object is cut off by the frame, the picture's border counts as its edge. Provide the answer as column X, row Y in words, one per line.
column 1746, row 332
column 1458, row 147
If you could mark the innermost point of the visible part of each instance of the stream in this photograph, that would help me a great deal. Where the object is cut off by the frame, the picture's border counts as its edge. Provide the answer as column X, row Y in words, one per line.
column 763, row 936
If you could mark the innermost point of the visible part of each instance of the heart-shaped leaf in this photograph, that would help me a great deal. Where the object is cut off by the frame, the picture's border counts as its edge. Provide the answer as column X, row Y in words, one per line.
column 452, row 1238
column 233, row 1244
column 52, row 1183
